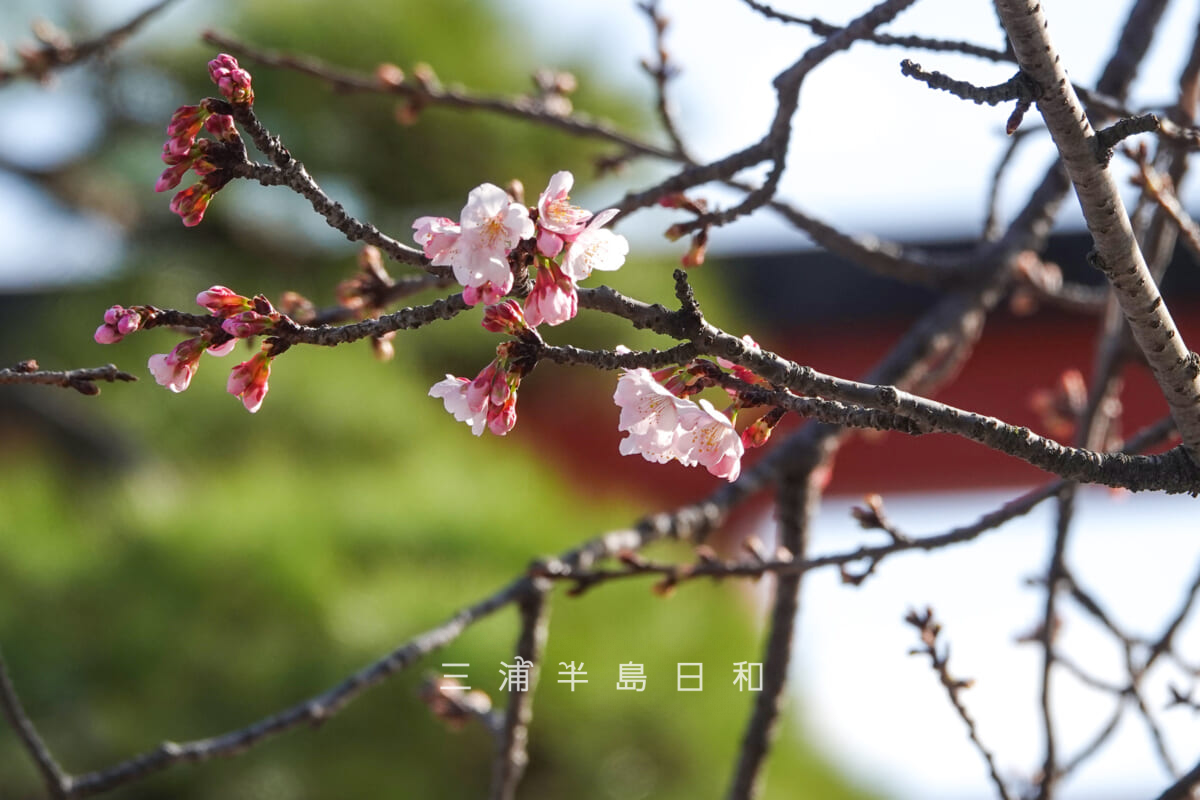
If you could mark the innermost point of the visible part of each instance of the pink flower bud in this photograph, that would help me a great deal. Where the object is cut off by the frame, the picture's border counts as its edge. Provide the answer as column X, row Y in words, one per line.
column 553, row 299
column 191, row 203
column 505, row 317
column 247, row 324
column 119, row 322
column 489, row 292
column 249, row 380
column 232, row 81
column 186, row 121
column 222, row 301
column 174, row 370
column 502, row 418
column 221, row 126
column 178, row 151
column 171, row 177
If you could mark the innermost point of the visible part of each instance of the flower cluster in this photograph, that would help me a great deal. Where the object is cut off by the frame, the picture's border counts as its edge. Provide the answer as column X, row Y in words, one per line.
column 564, row 241
column 232, row 81
column 206, row 157
column 664, row 427
column 490, row 400
column 119, row 322
column 241, row 318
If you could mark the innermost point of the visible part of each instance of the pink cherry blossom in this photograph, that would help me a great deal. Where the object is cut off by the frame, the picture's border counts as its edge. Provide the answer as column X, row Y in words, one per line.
column 651, row 416
column 595, row 248
column 493, row 220
column 710, row 439
column 175, row 369
column 438, row 237
column 553, row 299
column 558, row 220
column 663, row 427
column 119, row 322
column 453, row 392
column 492, row 225
column 223, row 349
column 555, row 212
column 490, row 400
column 248, row 380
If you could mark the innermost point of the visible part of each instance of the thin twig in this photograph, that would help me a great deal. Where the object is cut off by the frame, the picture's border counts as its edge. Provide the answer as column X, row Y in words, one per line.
column 512, row 753
column 52, row 774
column 939, row 659
column 431, row 94
column 81, row 380
column 822, row 28
column 59, row 51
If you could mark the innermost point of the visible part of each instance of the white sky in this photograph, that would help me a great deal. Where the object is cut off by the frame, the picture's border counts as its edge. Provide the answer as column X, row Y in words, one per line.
column 872, row 150
column 882, row 715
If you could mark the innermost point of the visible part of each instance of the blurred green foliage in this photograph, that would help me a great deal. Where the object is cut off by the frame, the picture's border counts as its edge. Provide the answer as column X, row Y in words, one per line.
column 175, row 567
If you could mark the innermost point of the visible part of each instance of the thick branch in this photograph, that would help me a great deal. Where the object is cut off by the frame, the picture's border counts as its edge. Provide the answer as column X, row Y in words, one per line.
column 1117, row 253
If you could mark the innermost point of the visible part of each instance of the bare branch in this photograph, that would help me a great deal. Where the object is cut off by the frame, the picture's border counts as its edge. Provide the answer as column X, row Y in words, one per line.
column 52, row 774
column 1117, row 253
column 59, row 51
column 512, row 754
column 81, row 380
column 939, row 659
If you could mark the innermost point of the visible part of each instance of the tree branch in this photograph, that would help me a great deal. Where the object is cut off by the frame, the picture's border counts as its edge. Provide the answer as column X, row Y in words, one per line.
column 1117, row 253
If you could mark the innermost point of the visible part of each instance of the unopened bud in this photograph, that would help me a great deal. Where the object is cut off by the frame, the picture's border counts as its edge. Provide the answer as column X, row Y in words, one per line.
column 381, row 346
column 389, row 76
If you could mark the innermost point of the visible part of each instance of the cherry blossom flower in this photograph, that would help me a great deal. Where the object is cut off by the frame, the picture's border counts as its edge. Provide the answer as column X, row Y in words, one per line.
column 174, row 370
column 437, row 237
column 493, row 221
column 650, row 414
column 119, row 322
column 553, row 299
column 491, row 226
column 223, row 349
column 595, row 248
column 558, row 220
column 709, row 439
column 248, row 380
column 453, row 392
column 490, row 400
column 663, row 427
